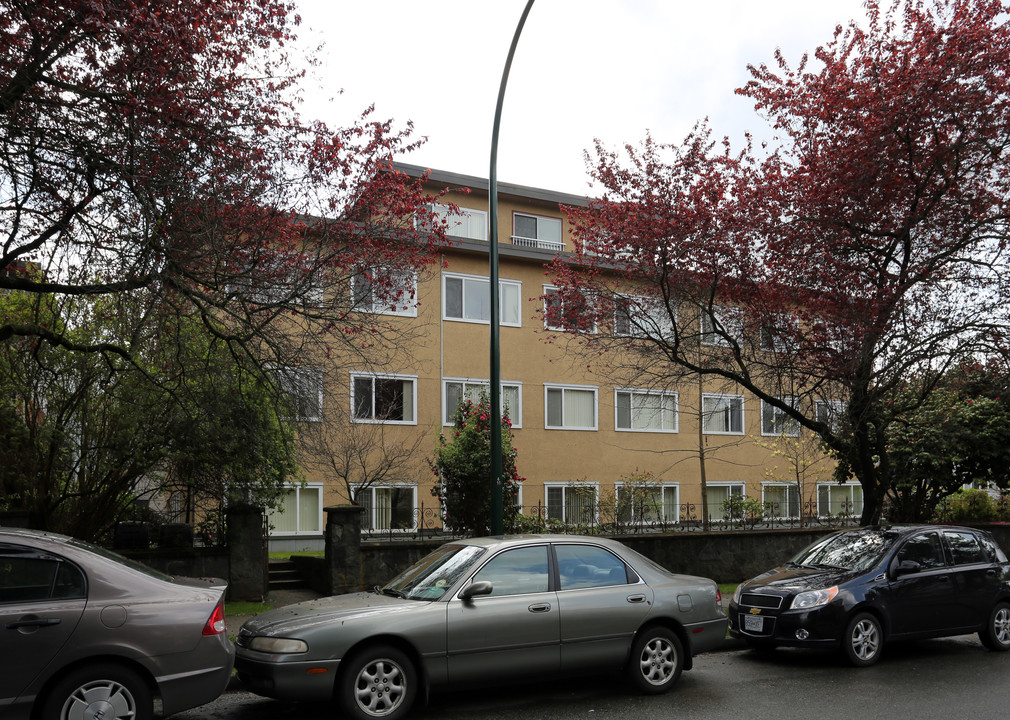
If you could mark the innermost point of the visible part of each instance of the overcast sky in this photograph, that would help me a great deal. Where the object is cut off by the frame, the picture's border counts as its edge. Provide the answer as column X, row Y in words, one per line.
column 583, row 69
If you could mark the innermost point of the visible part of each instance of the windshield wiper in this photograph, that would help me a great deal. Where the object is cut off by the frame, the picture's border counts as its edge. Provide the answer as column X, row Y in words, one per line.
column 391, row 592
column 825, row 566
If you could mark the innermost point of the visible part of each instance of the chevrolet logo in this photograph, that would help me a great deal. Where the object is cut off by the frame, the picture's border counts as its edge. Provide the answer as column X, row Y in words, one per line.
column 755, row 611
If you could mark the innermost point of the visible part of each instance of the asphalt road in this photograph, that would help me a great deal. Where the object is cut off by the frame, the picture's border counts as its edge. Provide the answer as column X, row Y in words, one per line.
column 948, row 679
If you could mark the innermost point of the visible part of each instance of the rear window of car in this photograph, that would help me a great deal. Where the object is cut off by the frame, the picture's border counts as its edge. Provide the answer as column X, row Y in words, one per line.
column 965, row 548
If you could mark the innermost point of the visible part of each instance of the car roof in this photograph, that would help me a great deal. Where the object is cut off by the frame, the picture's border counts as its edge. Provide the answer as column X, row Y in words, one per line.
column 497, row 541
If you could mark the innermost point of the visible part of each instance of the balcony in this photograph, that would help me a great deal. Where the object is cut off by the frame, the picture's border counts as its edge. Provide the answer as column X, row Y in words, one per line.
column 536, row 244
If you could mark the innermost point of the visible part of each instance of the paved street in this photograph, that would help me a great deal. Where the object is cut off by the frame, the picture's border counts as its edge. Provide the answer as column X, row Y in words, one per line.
column 944, row 679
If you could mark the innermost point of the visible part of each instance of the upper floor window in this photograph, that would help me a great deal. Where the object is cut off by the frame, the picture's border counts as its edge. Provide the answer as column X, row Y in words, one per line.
column 570, row 407
column 568, row 309
column 830, row 412
column 469, row 298
column 535, row 231
column 776, row 422
column 378, row 398
column 463, row 223
column 722, row 414
column 458, row 390
column 641, row 316
column 385, row 291
column 302, row 391
column 778, row 333
column 646, row 410
column 721, row 326
column 279, row 278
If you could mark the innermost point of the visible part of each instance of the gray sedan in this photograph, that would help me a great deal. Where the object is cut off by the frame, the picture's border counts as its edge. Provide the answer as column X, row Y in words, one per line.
column 485, row 609
column 88, row 634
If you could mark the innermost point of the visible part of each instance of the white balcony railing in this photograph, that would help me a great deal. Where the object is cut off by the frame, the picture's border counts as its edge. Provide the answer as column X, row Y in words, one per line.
column 537, row 244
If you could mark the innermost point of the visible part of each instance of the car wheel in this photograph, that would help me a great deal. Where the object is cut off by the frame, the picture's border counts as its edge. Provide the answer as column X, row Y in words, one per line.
column 657, row 659
column 105, row 690
column 863, row 641
column 379, row 682
column 996, row 634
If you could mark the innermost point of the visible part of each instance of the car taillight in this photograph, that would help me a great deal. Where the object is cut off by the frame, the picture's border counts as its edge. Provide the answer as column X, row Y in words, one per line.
column 215, row 624
column 718, row 596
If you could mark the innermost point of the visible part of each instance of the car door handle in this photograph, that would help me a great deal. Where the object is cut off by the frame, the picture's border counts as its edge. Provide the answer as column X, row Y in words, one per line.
column 636, row 598
column 540, row 607
column 37, row 622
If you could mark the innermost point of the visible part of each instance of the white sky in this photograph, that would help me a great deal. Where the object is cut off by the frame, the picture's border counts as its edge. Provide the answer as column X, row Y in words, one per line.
column 583, row 69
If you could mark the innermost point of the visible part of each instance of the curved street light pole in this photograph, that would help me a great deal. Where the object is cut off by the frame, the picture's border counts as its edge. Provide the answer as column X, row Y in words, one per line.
column 497, row 486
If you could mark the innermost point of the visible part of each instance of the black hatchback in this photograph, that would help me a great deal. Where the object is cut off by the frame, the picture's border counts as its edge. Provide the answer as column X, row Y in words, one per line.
column 857, row 589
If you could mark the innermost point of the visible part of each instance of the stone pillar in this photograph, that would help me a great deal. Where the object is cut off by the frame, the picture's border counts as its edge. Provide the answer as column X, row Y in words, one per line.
column 343, row 548
column 247, row 553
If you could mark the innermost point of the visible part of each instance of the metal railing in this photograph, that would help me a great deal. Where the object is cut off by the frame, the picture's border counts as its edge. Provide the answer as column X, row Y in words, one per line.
column 536, row 244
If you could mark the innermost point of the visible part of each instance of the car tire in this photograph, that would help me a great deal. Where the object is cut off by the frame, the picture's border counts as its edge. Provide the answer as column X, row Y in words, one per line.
column 657, row 660
column 378, row 682
column 996, row 634
column 106, row 690
column 863, row 641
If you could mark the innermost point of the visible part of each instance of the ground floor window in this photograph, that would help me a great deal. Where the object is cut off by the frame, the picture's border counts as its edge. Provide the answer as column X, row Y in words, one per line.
column 300, row 511
column 781, row 501
column 649, row 504
column 388, row 507
column 720, row 496
column 572, row 504
column 835, row 499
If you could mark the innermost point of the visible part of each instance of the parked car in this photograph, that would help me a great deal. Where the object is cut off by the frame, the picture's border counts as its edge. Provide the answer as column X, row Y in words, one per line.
column 859, row 589
column 485, row 609
column 90, row 634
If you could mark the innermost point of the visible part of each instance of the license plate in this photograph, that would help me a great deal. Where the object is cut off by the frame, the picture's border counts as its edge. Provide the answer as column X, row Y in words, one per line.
column 753, row 623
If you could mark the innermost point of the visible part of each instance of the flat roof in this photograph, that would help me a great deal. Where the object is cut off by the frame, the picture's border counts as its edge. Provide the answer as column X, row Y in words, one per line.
column 453, row 179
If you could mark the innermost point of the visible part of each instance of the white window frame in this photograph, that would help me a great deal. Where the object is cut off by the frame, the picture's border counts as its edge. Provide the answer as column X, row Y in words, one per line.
column 646, row 317
column 829, row 412
column 771, row 417
column 406, row 303
column 664, row 507
column 538, row 242
column 479, row 385
column 467, row 223
column 554, row 290
column 792, row 494
column 286, row 279
column 485, row 281
column 297, row 488
column 662, row 394
column 727, row 319
column 565, row 389
column 771, row 339
column 707, row 413
column 852, row 487
column 718, row 511
column 370, row 523
column 380, row 376
column 565, row 488
column 309, row 379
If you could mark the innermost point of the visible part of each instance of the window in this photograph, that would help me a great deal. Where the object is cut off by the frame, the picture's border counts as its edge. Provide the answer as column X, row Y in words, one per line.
column 300, row 511
column 830, row 412
column 586, row 566
column 781, row 501
column 387, row 507
column 464, row 223
column 571, row 504
column 533, row 231
column 570, row 407
column 722, row 414
column 778, row 333
column 721, row 326
column 378, row 398
column 835, row 499
column 457, row 390
column 640, row 316
column 924, row 549
column 775, row 421
column 964, row 548
column 646, row 410
column 469, row 298
column 302, row 391
column 719, row 495
column 651, row 504
column 517, row 572
column 384, row 290
column 25, row 577
column 567, row 309
column 277, row 278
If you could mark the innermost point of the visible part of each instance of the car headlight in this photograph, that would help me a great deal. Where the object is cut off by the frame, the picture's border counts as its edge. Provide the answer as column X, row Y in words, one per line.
column 278, row 645
column 737, row 593
column 814, row 598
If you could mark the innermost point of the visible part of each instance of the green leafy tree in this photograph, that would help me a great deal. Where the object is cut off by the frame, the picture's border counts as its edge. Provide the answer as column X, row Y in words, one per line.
column 463, row 465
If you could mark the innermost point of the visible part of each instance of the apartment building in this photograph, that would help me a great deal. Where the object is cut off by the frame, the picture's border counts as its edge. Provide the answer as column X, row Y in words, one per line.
column 580, row 428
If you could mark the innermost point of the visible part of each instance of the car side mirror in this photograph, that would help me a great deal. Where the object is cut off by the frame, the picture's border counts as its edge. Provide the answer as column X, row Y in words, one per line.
column 906, row 567
column 481, row 587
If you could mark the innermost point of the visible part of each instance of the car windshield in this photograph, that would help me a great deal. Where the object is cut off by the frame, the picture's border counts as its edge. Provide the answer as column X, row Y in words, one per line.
column 847, row 551
column 431, row 577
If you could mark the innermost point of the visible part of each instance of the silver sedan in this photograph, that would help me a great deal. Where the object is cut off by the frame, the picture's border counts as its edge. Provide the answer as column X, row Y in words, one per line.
column 485, row 609
column 89, row 634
